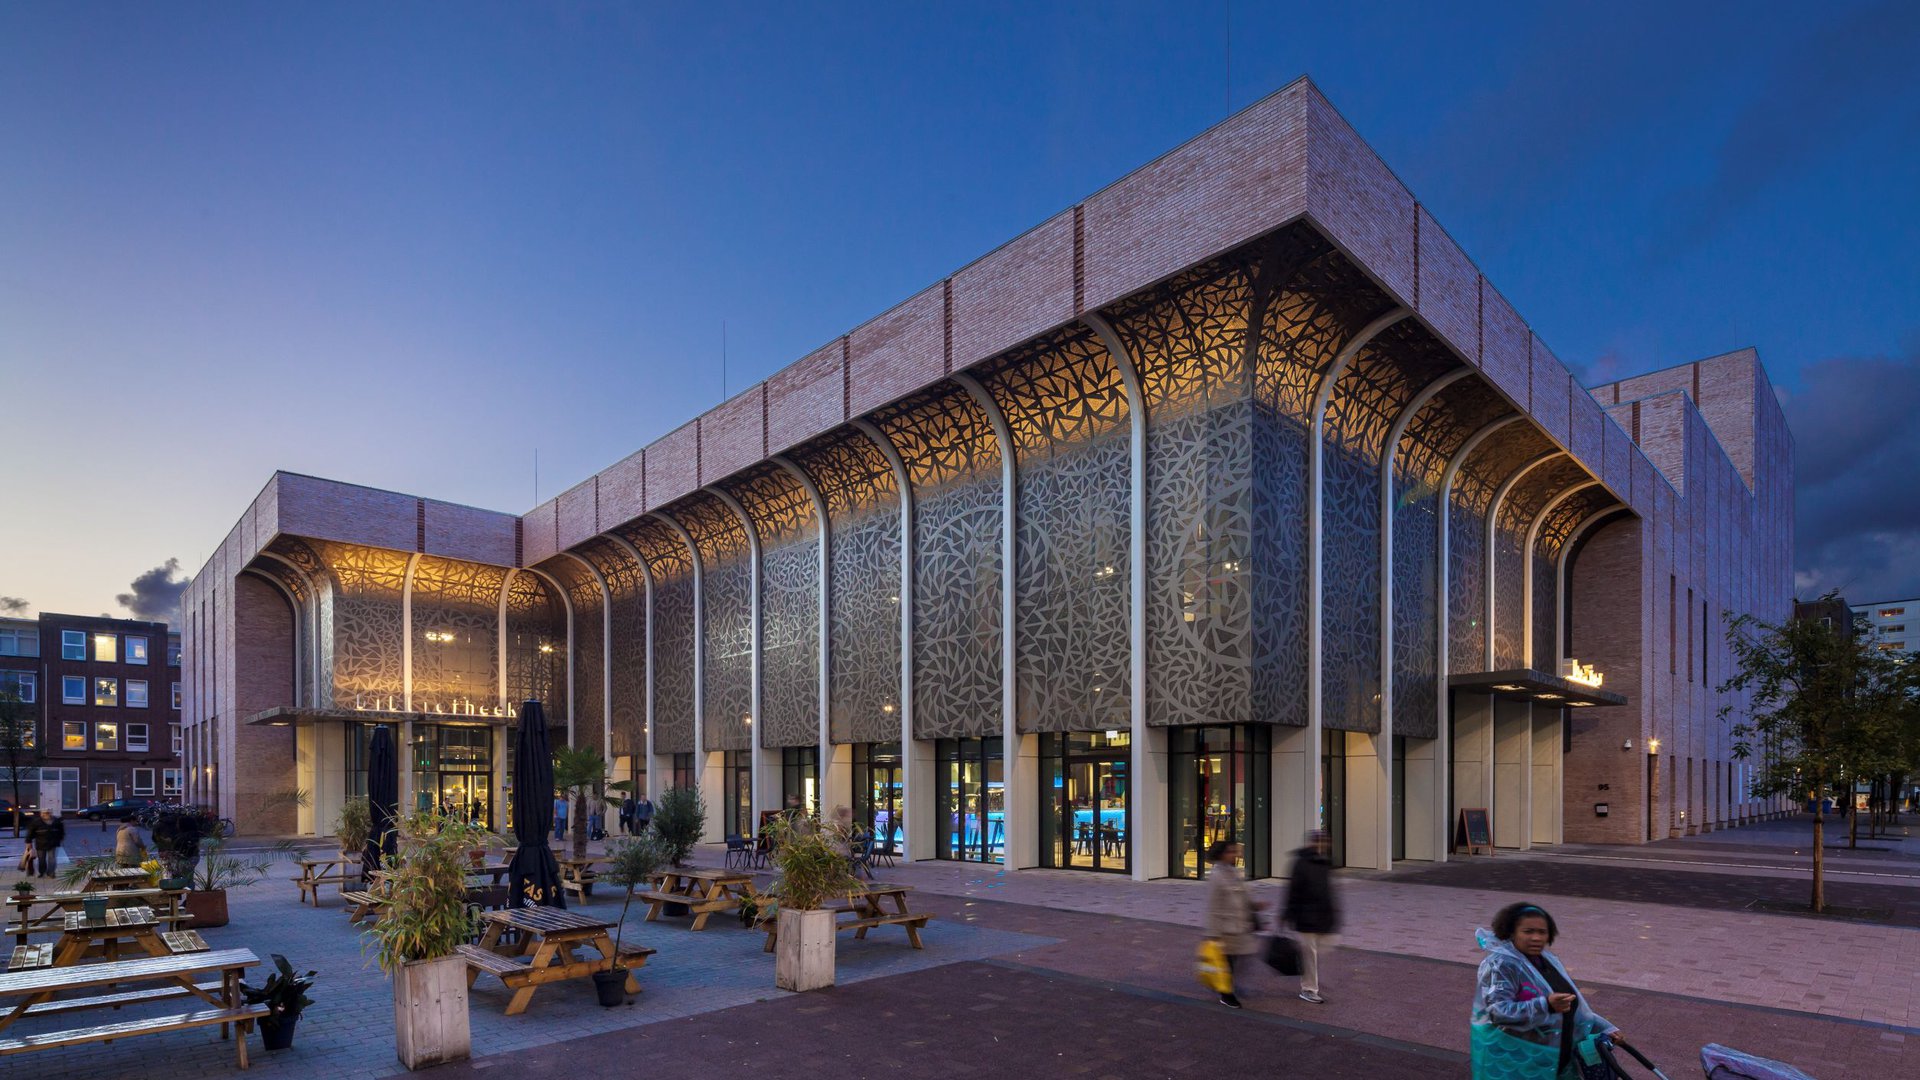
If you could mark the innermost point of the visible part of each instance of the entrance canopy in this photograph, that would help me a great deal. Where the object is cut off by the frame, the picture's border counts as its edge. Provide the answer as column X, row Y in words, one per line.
column 291, row 716
column 1526, row 684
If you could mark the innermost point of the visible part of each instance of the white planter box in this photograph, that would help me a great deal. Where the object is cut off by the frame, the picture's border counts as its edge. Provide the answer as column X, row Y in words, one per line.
column 430, row 1012
column 803, row 955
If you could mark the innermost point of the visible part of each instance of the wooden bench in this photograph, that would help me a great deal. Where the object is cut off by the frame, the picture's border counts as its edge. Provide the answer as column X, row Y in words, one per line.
column 310, row 886
column 912, row 922
column 184, row 941
column 114, row 1001
column 490, row 962
column 31, row 957
column 632, row 951
column 363, row 905
column 243, row 1016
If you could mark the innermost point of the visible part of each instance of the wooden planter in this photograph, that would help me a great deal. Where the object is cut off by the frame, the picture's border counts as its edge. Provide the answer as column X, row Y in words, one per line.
column 205, row 908
column 430, row 1012
column 803, row 952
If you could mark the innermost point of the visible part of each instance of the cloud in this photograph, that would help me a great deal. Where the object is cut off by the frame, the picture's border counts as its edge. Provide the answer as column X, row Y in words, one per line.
column 156, row 594
column 13, row 605
column 1857, row 526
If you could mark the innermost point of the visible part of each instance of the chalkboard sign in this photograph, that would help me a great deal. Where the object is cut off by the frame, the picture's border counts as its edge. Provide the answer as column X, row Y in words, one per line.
column 1474, row 831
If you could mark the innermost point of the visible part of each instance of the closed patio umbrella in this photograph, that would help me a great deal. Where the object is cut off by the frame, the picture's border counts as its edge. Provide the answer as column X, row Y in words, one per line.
column 383, row 800
column 534, row 873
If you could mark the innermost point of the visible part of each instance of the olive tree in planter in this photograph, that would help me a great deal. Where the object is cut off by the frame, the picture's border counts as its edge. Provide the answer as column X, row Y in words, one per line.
column 813, row 867
column 353, row 827
column 679, row 820
column 417, row 939
column 630, row 864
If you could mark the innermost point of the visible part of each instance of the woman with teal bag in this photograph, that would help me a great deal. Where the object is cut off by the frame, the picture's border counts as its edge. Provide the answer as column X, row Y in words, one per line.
column 1527, row 1014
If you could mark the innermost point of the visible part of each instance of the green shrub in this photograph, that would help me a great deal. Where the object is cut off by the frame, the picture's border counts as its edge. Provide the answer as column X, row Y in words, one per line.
column 355, row 824
column 679, row 820
column 426, row 916
column 813, row 863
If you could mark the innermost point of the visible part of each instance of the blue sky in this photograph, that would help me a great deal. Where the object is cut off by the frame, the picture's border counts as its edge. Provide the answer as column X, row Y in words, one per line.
column 402, row 244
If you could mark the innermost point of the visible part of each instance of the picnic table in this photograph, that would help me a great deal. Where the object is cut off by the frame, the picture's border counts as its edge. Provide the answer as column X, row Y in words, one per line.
column 54, row 907
column 133, row 926
column 112, row 878
column 577, row 875
column 338, row 869
column 866, row 906
column 548, row 938
column 33, row 993
column 702, row 890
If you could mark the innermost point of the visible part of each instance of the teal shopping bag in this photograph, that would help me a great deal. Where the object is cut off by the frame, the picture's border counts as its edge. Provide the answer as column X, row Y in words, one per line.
column 1499, row 1056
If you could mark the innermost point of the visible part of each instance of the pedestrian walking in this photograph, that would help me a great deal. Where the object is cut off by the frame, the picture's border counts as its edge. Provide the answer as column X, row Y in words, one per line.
column 27, row 828
column 642, row 814
column 1312, row 910
column 1230, row 912
column 128, row 848
column 1527, row 1014
column 47, row 838
column 626, row 815
column 559, row 817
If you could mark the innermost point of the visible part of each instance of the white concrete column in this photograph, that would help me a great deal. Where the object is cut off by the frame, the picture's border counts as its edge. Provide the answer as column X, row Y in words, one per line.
column 1512, row 773
column 402, row 754
column 306, row 776
column 406, row 634
column 1545, row 792
column 1021, row 771
column 1369, row 830
column 1296, row 767
column 1472, row 757
column 500, row 646
column 917, row 780
column 1424, row 800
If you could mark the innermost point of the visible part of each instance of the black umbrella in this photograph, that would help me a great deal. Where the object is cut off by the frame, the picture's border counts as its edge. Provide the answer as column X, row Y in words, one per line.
column 383, row 800
column 534, row 873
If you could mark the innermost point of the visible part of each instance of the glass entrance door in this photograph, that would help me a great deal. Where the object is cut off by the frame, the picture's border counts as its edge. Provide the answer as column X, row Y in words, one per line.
column 971, row 800
column 879, row 790
column 1084, row 820
column 467, row 796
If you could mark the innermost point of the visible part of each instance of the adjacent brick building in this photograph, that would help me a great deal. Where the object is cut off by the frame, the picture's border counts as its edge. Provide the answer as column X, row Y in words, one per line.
column 1231, row 501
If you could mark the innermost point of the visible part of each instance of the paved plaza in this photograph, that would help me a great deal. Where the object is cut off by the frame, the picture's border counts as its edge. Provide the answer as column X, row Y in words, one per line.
column 1090, row 975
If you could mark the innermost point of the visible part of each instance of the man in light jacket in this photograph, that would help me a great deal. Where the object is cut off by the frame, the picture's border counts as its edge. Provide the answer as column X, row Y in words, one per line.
column 1230, row 911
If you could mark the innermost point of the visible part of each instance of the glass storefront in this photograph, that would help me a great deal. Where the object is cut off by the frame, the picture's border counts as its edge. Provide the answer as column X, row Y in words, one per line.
column 971, row 800
column 800, row 776
column 1333, row 791
column 737, row 774
column 879, row 794
column 683, row 776
column 1219, row 788
column 1084, row 812
column 1399, row 797
column 453, row 771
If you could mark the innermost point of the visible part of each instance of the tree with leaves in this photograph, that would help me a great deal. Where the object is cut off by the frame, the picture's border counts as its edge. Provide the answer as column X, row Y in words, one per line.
column 579, row 771
column 19, row 744
column 1822, row 712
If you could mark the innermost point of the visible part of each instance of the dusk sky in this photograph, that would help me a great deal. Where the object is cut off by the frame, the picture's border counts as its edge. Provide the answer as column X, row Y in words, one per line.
column 406, row 245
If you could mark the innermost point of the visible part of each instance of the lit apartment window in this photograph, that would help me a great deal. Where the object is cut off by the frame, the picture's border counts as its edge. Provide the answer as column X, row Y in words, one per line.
column 106, row 736
column 137, row 737
column 106, row 691
column 23, row 685
column 1892, row 612
column 169, row 781
column 136, row 650
column 19, row 641
column 1893, row 646
column 1896, row 628
column 73, row 645
column 136, row 693
column 73, row 735
column 173, row 651
column 106, row 648
column 73, row 689
column 176, row 697
column 178, row 746
column 143, row 781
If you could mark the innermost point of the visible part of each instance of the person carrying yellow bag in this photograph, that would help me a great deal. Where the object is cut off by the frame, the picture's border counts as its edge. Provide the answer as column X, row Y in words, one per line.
column 1230, row 918
column 1210, row 964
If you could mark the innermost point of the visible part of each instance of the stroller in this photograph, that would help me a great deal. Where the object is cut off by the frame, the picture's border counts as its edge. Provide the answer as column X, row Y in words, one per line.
column 1718, row 1062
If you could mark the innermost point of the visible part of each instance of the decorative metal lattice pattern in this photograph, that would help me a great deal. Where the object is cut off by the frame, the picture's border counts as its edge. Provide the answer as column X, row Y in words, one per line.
column 671, row 564
column 627, row 592
column 365, row 587
column 783, row 514
column 1552, row 540
column 319, row 613
column 536, row 646
column 953, row 461
column 1517, row 513
column 726, row 599
column 863, row 587
column 1503, row 452
column 1434, row 435
column 1067, row 408
column 589, row 634
column 1366, row 400
column 456, row 635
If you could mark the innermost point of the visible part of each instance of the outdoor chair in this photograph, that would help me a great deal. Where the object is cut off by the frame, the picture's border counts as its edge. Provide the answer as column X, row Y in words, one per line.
column 863, row 857
column 738, row 856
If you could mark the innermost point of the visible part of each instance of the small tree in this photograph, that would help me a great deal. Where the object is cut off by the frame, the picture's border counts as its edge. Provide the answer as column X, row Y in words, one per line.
column 680, row 820
column 19, row 744
column 579, row 771
column 630, row 864
column 1821, row 713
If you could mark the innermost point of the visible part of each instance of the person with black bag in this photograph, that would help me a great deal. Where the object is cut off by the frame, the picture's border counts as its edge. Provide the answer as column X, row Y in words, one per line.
column 1312, row 910
column 1230, row 911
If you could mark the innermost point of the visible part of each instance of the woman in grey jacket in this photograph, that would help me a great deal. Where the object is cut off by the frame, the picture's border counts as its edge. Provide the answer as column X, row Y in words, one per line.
column 1527, row 1014
column 1230, row 910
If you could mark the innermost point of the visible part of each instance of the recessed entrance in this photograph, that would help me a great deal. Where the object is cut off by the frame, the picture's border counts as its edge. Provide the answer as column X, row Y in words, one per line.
column 971, row 800
column 1084, row 811
column 879, row 795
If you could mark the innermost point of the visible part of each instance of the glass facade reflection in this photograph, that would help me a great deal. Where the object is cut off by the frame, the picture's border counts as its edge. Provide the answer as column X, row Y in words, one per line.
column 971, row 800
column 1220, row 789
column 453, row 771
column 800, row 777
column 879, row 795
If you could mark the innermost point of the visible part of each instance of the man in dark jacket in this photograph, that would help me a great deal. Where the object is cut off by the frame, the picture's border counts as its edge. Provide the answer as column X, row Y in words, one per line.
column 46, row 843
column 1311, row 909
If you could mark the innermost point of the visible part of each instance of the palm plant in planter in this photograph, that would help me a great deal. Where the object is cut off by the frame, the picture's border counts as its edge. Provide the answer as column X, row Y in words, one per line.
column 285, row 996
column 578, row 771
column 813, row 867
column 630, row 864
column 206, row 898
column 417, row 940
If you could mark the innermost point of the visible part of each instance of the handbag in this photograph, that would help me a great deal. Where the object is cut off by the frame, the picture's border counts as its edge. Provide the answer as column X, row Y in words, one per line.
column 1210, row 966
column 1283, row 954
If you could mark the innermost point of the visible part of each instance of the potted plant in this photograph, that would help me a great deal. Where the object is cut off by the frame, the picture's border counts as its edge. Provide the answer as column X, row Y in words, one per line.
column 178, row 832
column 418, row 938
column 679, row 821
column 285, row 996
column 630, row 865
column 24, row 887
column 206, row 899
column 813, row 866
column 353, row 827
column 578, row 771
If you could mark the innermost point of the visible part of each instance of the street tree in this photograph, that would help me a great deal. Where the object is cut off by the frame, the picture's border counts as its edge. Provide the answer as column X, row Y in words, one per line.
column 1822, row 714
column 19, row 745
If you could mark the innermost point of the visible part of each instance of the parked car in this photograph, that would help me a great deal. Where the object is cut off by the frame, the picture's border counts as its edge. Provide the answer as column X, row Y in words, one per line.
column 7, row 812
column 119, row 809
